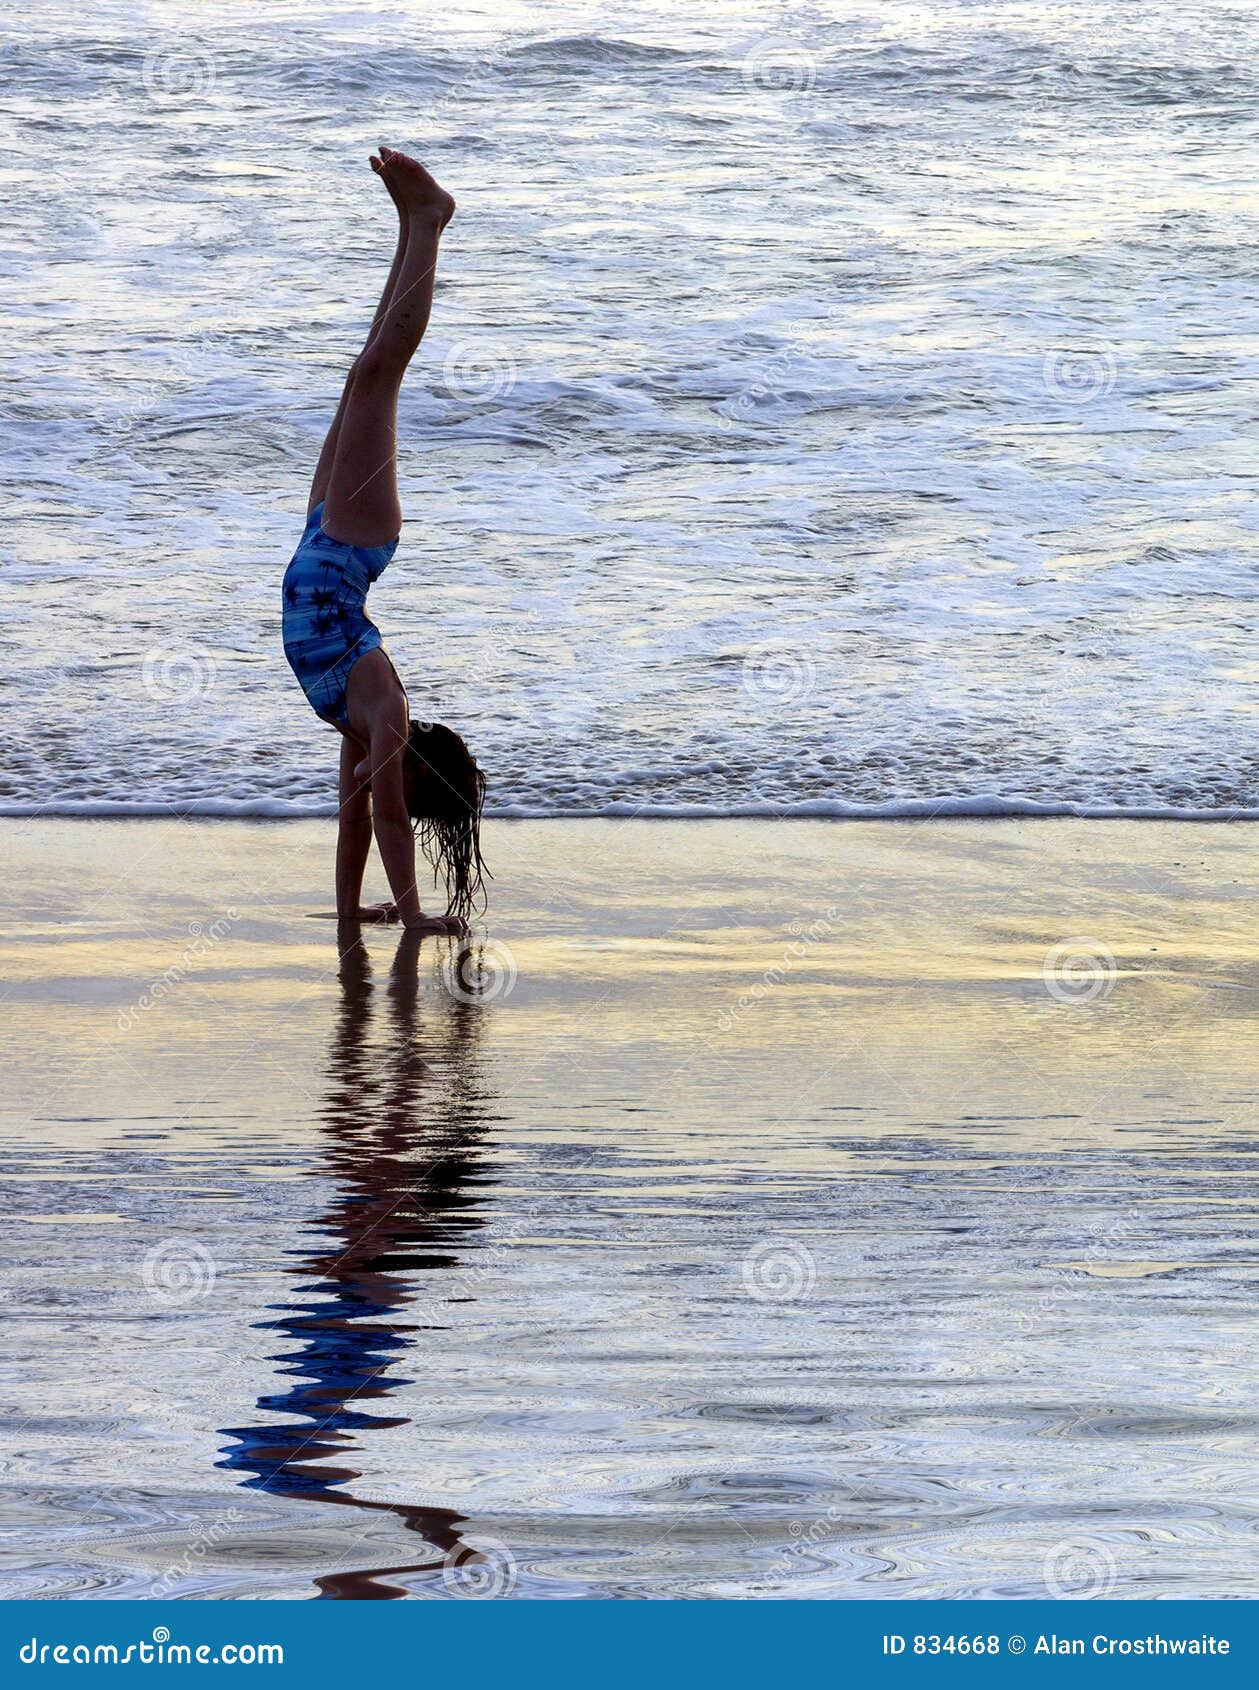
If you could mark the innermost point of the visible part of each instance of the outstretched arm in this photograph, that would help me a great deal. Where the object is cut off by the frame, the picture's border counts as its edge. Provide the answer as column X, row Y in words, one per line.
column 394, row 837
column 392, row 822
column 354, row 836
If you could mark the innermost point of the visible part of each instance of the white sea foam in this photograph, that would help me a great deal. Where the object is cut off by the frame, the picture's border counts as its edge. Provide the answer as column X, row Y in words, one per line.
column 817, row 809
column 849, row 414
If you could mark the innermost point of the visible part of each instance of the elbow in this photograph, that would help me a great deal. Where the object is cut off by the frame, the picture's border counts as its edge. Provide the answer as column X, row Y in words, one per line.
column 388, row 803
column 391, row 817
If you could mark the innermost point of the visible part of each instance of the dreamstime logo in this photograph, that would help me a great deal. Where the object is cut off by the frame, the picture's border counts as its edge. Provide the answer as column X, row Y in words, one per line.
column 1078, row 375
column 779, row 65
column 480, row 1567
column 178, row 1270
column 477, row 81
column 1107, row 1238
column 778, row 1270
column 816, row 1531
column 185, row 361
column 803, row 939
column 203, row 1538
column 482, row 974
column 202, row 941
column 757, row 401
column 747, row 404
column 175, row 75
column 1080, row 1570
column 188, row 357
column 493, row 1255
column 1079, row 971
column 161, row 1650
column 181, row 675
column 777, row 676
column 138, row 410
column 478, row 373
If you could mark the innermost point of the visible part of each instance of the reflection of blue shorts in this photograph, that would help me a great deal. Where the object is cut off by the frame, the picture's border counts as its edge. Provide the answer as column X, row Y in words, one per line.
column 326, row 626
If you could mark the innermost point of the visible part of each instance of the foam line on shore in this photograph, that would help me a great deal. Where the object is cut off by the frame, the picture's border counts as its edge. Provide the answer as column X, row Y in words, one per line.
column 980, row 807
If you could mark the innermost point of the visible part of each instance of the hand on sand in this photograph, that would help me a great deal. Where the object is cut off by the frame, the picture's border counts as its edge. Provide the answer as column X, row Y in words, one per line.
column 387, row 913
column 452, row 924
column 378, row 912
column 411, row 188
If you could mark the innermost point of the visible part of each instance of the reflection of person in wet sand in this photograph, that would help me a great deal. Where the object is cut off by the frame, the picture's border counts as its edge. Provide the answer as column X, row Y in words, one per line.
column 404, row 1116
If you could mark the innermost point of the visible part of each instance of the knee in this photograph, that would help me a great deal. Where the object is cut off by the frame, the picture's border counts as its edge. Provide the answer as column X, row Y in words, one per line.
column 372, row 369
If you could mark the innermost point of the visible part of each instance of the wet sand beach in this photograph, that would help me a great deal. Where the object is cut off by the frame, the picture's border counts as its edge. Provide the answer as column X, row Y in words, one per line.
column 753, row 1209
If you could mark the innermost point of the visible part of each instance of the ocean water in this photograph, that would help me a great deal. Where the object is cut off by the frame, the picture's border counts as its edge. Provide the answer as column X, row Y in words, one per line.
column 825, row 407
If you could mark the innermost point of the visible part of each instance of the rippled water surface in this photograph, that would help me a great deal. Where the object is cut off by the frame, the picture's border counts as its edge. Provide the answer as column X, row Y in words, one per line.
column 824, row 406
column 768, row 1210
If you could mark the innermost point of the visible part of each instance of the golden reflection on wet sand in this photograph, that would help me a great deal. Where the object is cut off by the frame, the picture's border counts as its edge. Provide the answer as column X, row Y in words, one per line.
column 736, row 1218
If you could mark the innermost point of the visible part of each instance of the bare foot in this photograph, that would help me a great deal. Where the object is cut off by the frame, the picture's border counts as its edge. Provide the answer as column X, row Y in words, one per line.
column 387, row 178
column 414, row 191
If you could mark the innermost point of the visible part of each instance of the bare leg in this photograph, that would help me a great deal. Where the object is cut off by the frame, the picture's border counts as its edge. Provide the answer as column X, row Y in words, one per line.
column 323, row 469
column 361, row 498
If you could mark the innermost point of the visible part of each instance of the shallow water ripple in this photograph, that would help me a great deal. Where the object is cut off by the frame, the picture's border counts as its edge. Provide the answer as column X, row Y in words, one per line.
column 675, row 1270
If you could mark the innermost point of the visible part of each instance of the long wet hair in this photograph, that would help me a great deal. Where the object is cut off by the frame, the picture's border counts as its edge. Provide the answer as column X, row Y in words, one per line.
column 445, row 797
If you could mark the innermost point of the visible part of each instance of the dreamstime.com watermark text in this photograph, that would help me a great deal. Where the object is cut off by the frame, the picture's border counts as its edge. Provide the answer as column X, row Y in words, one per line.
column 159, row 1652
column 202, row 941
